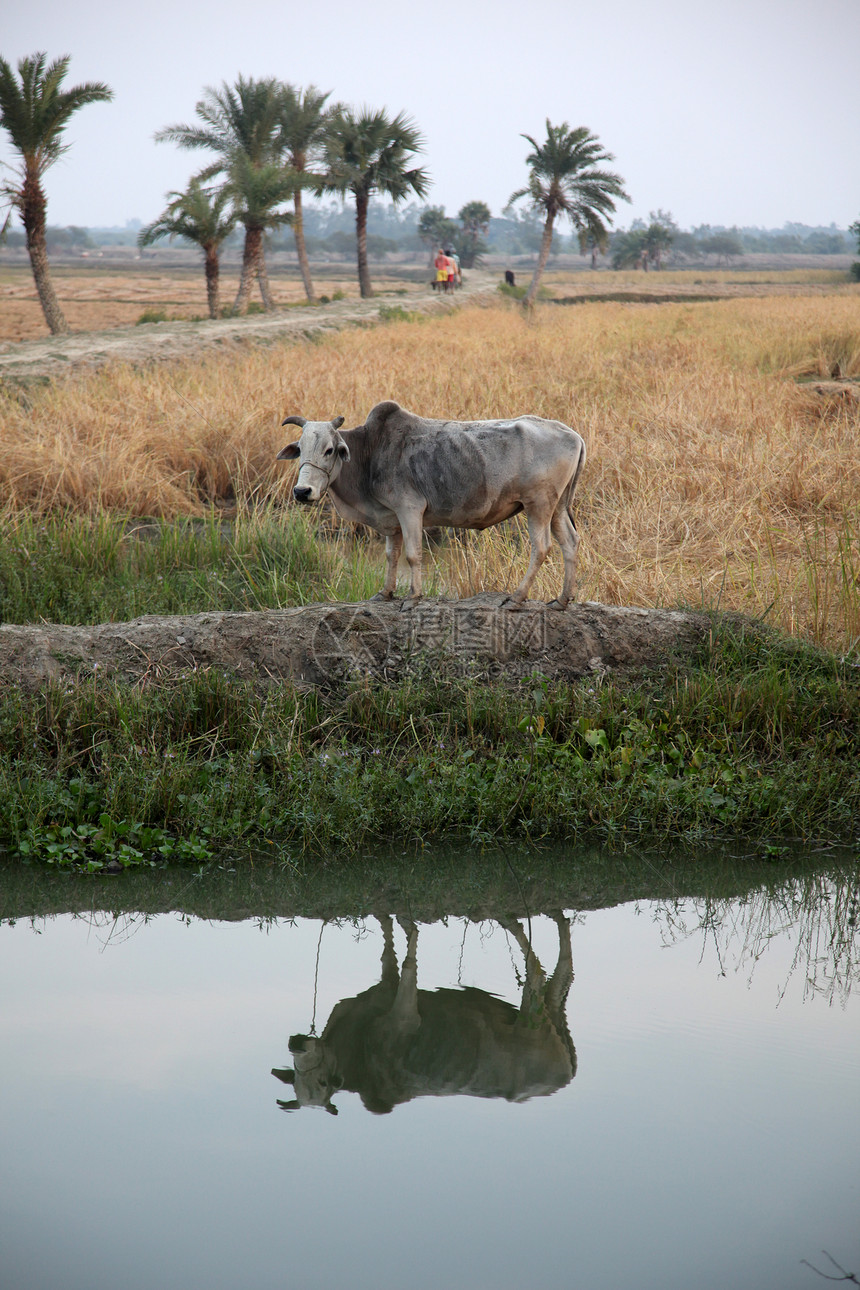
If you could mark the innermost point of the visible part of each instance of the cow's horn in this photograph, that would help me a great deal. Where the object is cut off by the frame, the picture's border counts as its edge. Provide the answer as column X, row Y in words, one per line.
column 294, row 421
column 337, row 423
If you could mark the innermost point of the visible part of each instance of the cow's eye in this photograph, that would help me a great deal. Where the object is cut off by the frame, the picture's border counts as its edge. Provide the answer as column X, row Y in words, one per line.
column 327, row 452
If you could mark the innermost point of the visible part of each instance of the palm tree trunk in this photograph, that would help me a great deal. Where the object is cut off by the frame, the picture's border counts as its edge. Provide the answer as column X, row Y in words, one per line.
column 212, row 280
column 263, row 279
column 301, row 249
column 364, row 286
column 250, row 258
column 545, row 245
column 33, row 213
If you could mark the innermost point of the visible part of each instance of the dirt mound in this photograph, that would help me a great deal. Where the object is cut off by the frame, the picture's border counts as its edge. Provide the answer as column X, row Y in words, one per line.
column 327, row 644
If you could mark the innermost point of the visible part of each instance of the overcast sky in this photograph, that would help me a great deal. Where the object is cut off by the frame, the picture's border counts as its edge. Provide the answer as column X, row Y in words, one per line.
column 732, row 112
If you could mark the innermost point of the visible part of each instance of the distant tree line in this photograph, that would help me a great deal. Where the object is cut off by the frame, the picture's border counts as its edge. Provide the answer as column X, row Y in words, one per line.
column 645, row 246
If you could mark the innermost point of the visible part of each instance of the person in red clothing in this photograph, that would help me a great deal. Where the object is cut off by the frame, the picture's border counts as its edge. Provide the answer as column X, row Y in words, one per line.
column 443, row 267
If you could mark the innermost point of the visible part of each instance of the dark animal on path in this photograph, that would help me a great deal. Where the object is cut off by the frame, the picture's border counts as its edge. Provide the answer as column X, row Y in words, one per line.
column 401, row 473
column 394, row 1042
column 509, row 278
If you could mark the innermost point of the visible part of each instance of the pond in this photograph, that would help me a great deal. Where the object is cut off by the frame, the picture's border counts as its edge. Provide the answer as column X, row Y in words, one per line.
column 660, row 1092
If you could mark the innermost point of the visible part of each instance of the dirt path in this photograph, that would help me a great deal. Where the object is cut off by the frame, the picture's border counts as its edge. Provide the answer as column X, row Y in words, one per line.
column 36, row 361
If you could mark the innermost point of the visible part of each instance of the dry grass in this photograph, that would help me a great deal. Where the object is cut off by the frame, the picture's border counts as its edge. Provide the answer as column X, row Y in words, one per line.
column 713, row 477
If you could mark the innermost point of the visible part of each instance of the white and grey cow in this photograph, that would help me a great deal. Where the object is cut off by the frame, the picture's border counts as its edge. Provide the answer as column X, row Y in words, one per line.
column 400, row 473
column 394, row 1042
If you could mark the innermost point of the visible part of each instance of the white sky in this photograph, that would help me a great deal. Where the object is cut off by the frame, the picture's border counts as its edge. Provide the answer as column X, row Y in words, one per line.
column 735, row 112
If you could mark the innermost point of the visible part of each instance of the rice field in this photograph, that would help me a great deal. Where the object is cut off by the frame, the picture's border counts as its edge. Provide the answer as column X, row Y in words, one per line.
column 717, row 476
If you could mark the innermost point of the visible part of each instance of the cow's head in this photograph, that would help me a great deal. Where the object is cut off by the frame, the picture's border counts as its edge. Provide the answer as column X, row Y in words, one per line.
column 321, row 452
column 314, row 1078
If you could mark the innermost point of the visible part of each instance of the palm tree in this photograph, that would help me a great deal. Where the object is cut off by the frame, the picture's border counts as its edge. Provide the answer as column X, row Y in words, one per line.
column 35, row 111
column 369, row 153
column 565, row 179
column 475, row 218
column 201, row 217
column 240, row 124
column 302, row 128
column 258, row 193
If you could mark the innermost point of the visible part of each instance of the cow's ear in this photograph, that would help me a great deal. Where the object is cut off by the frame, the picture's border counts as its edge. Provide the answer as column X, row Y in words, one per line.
column 289, row 453
column 343, row 452
column 289, row 1106
column 332, row 1110
column 285, row 1076
column 337, row 423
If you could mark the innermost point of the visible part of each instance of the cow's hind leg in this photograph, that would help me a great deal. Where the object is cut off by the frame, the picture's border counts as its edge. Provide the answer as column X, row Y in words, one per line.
column 565, row 534
column 539, row 533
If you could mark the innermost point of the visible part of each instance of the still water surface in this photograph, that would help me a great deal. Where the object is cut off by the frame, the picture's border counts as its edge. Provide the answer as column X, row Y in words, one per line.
column 689, row 1116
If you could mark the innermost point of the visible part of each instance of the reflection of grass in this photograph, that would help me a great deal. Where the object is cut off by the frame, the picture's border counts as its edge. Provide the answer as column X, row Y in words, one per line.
column 713, row 477
column 760, row 738
column 821, row 912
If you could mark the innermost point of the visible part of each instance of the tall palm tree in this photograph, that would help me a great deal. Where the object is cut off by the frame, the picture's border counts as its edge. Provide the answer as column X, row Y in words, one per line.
column 565, row 179
column 302, row 128
column 258, row 193
column 240, row 125
column 201, row 217
column 368, row 153
column 35, row 111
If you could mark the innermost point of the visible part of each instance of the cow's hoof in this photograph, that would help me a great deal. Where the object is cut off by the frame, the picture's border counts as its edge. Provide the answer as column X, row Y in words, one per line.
column 410, row 602
column 383, row 595
column 558, row 603
column 512, row 606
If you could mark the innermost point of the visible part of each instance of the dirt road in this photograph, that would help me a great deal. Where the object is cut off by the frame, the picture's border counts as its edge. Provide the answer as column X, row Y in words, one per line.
column 36, row 361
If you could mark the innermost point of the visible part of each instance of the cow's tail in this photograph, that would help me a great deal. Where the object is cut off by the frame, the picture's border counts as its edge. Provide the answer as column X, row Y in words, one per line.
column 571, row 488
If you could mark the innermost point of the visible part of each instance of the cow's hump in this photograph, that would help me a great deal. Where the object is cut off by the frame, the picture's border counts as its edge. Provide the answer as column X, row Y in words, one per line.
column 378, row 415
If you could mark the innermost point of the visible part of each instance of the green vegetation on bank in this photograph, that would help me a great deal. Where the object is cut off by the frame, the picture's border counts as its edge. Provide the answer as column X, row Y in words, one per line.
column 759, row 739
column 71, row 568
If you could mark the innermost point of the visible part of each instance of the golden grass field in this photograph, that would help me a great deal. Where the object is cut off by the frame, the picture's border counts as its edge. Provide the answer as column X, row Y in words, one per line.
column 715, row 477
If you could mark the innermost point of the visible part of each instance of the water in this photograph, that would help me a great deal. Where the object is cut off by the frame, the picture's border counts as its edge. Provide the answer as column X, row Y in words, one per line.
column 710, row 1135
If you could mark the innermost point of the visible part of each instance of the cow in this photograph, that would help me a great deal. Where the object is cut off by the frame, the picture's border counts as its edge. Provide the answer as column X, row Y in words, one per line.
column 394, row 1042
column 400, row 473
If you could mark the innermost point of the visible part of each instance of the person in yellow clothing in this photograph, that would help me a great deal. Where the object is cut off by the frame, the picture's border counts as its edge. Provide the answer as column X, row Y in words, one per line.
column 441, row 265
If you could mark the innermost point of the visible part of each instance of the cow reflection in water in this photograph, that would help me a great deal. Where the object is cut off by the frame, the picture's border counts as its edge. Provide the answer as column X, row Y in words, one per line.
column 395, row 1042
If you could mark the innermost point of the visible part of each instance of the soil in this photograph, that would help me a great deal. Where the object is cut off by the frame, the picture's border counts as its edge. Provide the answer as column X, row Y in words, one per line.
column 329, row 644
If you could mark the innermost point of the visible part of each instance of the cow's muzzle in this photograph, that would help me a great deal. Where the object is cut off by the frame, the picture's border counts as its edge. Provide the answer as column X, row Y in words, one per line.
column 302, row 494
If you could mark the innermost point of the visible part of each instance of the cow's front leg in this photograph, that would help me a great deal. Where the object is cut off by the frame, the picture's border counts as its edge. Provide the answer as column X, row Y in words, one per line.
column 393, row 547
column 412, row 527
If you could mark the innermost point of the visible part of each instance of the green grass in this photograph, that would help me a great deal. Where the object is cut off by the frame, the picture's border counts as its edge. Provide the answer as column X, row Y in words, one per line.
column 77, row 569
column 759, row 739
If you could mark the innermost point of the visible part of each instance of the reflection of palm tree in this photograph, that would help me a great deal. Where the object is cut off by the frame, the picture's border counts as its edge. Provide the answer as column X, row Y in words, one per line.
column 240, row 125
column 35, row 111
column 565, row 179
column 368, row 153
column 200, row 217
